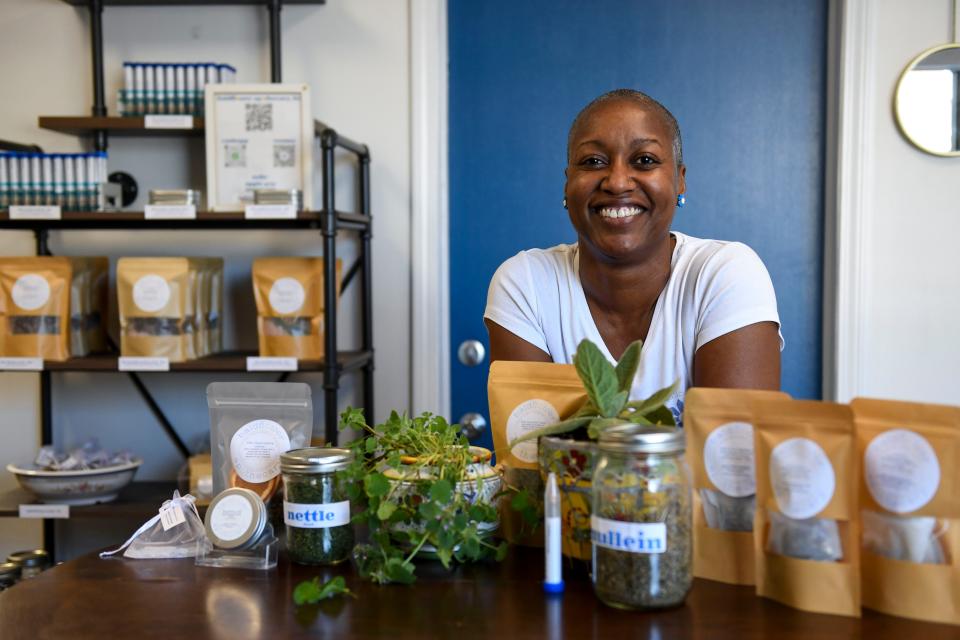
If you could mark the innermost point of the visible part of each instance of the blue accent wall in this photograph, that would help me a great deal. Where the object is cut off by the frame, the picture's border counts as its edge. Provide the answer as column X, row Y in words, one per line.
column 746, row 80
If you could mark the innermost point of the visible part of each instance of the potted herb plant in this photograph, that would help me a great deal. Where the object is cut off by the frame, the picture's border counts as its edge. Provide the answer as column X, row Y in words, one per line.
column 424, row 491
column 568, row 448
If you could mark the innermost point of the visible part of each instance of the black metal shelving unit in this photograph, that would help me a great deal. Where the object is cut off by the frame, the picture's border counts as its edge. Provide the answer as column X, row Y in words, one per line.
column 327, row 221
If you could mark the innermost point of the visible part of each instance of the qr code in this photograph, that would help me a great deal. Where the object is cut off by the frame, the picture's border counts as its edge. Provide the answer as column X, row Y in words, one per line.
column 284, row 154
column 235, row 155
column 259, row 117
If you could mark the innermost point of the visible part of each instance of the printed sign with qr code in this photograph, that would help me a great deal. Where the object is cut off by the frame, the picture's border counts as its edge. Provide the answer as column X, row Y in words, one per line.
column 259, row 117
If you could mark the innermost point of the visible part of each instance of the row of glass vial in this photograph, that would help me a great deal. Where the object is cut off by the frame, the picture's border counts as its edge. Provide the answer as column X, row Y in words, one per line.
column 71, row 180
column 168, row 87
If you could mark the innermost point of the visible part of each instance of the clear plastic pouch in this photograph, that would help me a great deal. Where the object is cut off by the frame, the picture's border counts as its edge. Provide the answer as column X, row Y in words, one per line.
column 809, row 539
column 727, row 513
column 177, row 531
column 910, row 539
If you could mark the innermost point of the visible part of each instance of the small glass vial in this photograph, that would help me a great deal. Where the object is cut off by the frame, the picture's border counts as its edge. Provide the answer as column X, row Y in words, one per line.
column 236, row 519
column 316, row 509
column 32, row 562
column 642, row 519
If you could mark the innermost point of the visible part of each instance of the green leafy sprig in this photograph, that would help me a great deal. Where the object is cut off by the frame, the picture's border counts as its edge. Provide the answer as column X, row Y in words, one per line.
column 608, row 392
column 312, row 592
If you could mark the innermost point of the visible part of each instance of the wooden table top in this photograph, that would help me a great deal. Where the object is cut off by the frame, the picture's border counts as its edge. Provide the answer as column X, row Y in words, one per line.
column 118, row 598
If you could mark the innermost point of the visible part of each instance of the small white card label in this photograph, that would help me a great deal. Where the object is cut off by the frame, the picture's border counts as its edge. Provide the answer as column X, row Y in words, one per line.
column 270, row 212
column 35, row 212
column 45, row 511
column 168, row 122
column 171, row 515
column 21, row 364
column 316, row 516
column 126, row 363
column 255, row 363
column 633, row 537
column 170, row 212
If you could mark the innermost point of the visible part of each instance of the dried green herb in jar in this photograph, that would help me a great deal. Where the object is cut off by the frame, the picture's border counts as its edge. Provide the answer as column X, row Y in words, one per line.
column 316, row 508
column 642, row 519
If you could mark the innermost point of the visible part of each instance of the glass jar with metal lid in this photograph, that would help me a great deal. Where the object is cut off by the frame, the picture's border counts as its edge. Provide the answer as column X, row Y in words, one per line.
column 316, row 509
column 236, row 519
column 9, row 574
column 32, row 562
column 642, row 518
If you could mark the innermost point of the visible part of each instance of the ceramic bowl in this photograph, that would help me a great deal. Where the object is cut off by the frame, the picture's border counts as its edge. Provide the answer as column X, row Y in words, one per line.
column 76, row 488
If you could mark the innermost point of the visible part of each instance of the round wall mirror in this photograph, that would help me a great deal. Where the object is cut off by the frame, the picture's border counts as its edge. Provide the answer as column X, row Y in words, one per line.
column 927, row 101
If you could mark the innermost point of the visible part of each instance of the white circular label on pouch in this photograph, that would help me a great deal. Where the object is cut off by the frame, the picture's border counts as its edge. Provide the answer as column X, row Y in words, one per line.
column 232, row 518
column 802, row 477
column 30, row 292
column 151, row 293
column 902, row 470
column 255, row 450
column 287, row 295
column 728, row 457
column 526, row 417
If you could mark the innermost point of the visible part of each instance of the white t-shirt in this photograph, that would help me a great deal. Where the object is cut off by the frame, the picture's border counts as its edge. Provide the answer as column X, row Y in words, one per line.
column 715, row 287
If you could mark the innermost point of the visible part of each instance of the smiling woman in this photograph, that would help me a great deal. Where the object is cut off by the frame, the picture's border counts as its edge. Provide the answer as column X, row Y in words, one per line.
column 705, row 309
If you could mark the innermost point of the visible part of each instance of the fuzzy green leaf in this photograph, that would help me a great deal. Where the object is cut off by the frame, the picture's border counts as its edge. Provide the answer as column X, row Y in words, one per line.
column 628, row 365
column 661, row 415
column 597, row 374
column 399, row 571
column 441, row 491
column 502, row 549
column 566, row 426
column 653, row 402
column 376, row 485
column 311, row 591
column 385, row 510
column 615, row 404
column 599, row 425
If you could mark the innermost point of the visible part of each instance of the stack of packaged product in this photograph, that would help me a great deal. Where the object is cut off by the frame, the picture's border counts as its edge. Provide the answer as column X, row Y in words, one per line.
column 169, row 87
column 52, row 307
column 170, row 307
column 74, row 181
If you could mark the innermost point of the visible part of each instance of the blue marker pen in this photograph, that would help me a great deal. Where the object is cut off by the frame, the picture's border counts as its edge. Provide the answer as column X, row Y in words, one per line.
column 553, row 580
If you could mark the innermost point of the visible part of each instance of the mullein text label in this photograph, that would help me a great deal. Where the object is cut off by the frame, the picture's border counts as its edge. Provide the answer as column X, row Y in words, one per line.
column 632, row 537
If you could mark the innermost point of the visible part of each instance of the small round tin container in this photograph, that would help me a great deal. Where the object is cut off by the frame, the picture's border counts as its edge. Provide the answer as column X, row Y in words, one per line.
column 235, row 519
column 175, row 196
column 9, row 574
column 32, row 562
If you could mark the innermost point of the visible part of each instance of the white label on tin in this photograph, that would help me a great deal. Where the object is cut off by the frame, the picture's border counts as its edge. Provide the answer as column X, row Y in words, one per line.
column 270, row 212
column 171, row 515
column 131, row 363
column 168, row 122
column 231, row 518
column 30, row 292
column 255, row 363
column 526, row 417
column 151, row 293
column 728, row 458
column 59, row 511
column 902, row 470
column 316, row 516
column 802, row 477
column 633, row 537
column 21, row 364
column 287, row 295
column 35, row 212
column 170, row 212
column 255, row 450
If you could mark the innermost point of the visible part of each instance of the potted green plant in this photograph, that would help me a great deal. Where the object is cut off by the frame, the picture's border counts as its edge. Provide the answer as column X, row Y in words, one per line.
column 424, row 491
column 568, row 448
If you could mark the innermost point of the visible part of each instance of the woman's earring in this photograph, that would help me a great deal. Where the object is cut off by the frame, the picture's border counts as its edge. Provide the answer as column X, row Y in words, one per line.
column 681, row 200
column 564, row 203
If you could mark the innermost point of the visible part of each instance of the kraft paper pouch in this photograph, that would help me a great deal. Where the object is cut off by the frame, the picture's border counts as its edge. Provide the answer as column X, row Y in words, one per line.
column 156, row 302
column 910, row 498
column 719, row 432
column 214, row 306
column 35, row 307
column 88, row 305
column 290, row 306
column 525, row 396
column 806, row 525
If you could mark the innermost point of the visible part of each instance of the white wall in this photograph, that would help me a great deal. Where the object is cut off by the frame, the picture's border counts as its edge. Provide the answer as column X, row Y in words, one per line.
column 899, row 219
column 355, row 57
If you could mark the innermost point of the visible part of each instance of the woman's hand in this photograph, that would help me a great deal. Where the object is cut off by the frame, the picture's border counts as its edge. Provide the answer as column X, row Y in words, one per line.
column 508, row 346
column 748, row 358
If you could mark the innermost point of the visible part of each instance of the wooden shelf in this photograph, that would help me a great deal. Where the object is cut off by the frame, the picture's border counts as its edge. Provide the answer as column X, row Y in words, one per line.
column 137, row 500
column 221, row 362
column 115, row 125
column 79, row 220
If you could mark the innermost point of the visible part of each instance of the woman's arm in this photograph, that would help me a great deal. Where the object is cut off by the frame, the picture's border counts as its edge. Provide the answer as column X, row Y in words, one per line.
column 508, row 346
column 748, row 358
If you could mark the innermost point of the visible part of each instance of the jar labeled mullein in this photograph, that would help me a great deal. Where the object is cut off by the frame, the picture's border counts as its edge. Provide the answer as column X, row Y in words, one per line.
column 642, row 518
column 316, row 509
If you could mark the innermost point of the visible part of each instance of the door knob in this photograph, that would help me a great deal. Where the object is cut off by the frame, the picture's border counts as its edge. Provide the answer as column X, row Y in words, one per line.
column 472, row 425
column 471, row 352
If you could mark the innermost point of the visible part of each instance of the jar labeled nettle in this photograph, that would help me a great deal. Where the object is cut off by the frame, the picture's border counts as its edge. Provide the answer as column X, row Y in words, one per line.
column 642, row 519
column 316, row 509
